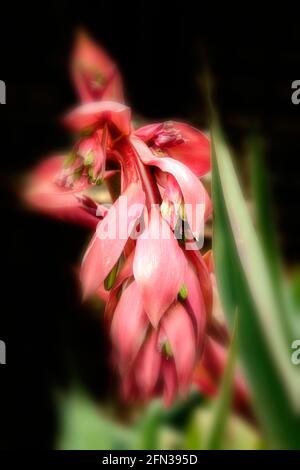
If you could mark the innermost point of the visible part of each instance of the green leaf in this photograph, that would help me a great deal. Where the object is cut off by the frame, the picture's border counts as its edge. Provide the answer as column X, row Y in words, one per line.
column 238, row 434
column 264, row 219
column 158, row 420
column 149, row 427
column 194, row 433
column 244, row 284
column 295, row 290
column 222, row 406
column 83, row 426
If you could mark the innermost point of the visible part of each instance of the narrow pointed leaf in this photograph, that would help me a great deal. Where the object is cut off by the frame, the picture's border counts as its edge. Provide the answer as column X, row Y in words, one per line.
column 222, row 406
column 269, row 391
column 251, row 257
column 266, row 232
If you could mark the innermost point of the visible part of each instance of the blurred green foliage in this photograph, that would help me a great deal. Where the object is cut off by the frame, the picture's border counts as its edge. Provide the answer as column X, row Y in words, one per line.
column 251, row 282
column 85, row 426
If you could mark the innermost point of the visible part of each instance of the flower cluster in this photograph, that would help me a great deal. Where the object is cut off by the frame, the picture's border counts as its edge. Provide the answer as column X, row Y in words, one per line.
column 156, row 284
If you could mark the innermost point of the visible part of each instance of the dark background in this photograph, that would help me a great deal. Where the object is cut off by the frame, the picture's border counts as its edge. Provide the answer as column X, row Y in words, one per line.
column 162, row 50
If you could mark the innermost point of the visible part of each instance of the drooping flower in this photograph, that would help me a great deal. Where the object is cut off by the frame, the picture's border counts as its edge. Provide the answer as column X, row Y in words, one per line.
column 95, row 75
column 106, row 248
column 58, row 185
column 179, row 141
column 159, row 267
column 153, row 361
column 45, row 193
column 168, row 321
column 157, row 287
column 196, row 201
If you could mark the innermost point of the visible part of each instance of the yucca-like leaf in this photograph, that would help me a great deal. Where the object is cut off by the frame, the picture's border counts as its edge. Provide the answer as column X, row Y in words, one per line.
column 264, row 219
column 245, row 284
column 222, row 405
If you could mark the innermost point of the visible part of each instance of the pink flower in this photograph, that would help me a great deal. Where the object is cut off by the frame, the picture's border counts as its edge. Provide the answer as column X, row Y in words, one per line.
column 155, row 283
column 95, row 75
column 44, row 193
column 159, row 267
column 157, row 307
column 91, row 117
column 195, row 197
column 104, row 252
column 153, row 361
column 179, row 141
column 57, row 185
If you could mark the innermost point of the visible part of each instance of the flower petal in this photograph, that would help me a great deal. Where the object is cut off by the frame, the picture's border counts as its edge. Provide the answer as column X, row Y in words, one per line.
column 148, row 365
column 43, row 194
column 95, row 75
column 204, row 278
column 204, row 381
column 159, row 266
column 195, row 304
column 179, row 331
column 194, row 152
column 112, row 233
column 148, row 132
column 169, row 381
column 94, row 115
column 194, row 194
column 129, row 326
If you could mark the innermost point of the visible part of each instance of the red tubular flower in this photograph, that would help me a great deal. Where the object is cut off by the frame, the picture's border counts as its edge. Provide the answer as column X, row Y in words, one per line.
column 153, row 361
column 157, row 308
column 104, row 252
column 158, row 302
column 158, row 261
column 44, row 192
column 95, row 75
column 56, row 187
column 157, row 287
column 90, row 117
column 193, row 193
column 179, row 141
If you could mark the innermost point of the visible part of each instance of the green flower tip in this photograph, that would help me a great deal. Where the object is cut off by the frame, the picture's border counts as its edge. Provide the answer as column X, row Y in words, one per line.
column 183, row 292
column 167, row 350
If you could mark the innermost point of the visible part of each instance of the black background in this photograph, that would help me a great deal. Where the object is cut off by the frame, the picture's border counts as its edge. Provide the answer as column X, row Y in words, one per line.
column 161, row 49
